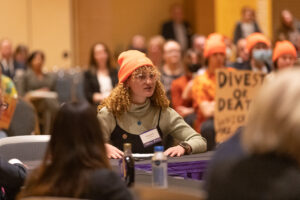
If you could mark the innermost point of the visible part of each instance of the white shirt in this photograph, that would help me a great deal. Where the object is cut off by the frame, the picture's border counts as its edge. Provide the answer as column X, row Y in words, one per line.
column 180, row 34
column 105, row 84
column 247, row 29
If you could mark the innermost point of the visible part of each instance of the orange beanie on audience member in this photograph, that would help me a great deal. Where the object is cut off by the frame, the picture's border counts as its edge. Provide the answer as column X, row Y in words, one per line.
column 215, row 44
column 283, row 47
column 129, row 61
column 255, row 38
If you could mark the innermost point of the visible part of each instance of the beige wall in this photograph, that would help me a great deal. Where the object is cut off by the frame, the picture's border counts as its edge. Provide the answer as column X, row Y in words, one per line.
column 40, row 24
column 115, row 22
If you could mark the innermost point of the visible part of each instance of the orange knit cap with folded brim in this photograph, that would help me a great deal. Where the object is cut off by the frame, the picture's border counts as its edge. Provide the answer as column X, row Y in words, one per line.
column 129, row 61
column 284, row 47
column 256, row 38
column 214, row 44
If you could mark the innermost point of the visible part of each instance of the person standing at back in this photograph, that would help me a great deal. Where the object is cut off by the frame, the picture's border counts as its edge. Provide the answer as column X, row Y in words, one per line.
column 246, row 26
column 177, row 28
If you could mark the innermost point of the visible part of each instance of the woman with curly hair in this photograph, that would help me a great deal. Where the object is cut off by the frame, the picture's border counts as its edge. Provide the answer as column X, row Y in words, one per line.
column 137, row 112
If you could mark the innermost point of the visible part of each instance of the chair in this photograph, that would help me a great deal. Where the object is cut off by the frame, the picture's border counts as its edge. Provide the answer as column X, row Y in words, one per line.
column 24, row 119
column 24, row 148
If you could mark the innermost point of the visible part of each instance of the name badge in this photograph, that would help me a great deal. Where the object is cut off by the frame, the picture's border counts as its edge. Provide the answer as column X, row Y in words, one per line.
column 150, row 137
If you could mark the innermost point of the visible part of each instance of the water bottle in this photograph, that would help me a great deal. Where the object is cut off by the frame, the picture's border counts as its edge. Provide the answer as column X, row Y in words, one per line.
column 159, row 168
column 128, row 165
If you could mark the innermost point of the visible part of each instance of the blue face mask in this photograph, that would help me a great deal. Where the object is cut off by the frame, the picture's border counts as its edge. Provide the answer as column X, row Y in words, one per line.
column 262, row 55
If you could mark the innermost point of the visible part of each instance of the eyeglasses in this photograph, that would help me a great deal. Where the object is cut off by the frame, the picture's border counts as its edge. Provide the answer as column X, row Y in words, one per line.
column 143, row 77
column 3, row 106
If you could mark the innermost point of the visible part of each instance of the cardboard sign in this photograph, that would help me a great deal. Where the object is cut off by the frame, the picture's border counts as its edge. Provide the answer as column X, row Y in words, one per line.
column 234, row 93
column 7, row 115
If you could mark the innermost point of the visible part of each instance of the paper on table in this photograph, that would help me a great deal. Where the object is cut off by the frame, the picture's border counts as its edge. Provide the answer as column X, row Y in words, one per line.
column 142, row 155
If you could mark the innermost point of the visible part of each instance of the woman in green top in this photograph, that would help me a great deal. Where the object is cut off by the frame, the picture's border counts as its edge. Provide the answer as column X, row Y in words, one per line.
column 138, row 112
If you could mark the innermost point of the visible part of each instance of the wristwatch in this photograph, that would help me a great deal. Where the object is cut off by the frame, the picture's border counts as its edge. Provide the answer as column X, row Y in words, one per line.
column 187, row 147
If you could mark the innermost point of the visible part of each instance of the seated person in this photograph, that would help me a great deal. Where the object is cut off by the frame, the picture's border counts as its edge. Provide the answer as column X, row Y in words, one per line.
column 12, row 173
column 181, row 88
column 34, row 80
column 139, row 105
column 204, row 88
column 269, row 166
column 284, row 55
column 75, row 164
column 258, row 47
column 101, row 77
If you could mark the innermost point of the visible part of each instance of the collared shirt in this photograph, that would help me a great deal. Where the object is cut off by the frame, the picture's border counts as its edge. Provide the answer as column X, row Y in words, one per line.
column 180, row 33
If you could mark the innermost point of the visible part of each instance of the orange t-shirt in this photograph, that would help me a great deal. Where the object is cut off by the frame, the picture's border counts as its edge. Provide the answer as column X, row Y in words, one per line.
column 177, row 88
column 204, row 89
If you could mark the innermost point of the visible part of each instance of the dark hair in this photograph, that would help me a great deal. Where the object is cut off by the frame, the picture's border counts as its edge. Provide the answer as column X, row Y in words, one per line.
column 21, row 48
column 75, row 149
column 33, row 55
column 93, row 63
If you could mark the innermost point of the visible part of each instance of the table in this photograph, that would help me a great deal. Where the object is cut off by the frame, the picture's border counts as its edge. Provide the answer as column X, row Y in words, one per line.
column 143, row 177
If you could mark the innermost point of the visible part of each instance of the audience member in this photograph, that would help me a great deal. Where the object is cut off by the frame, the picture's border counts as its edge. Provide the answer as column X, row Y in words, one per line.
column 172, row 69
column 288, row 29
column 34, row 80
column 260, row 54
column 284, row 55
column 8, row 86
column 138, row 106
column 242, row 55
column 75, row 163
column 177, row 28
column 198, row 42
column 181, row 88
column 138, row 42
column 155, row 50
column 270, row 170
column 21, row 56
column 204, row 88
column 101, row 77
column 246, row 26
column 9, row 66
column 13, row 172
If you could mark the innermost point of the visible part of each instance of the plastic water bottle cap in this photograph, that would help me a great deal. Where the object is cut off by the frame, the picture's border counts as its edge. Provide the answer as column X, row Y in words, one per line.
column 158, row 148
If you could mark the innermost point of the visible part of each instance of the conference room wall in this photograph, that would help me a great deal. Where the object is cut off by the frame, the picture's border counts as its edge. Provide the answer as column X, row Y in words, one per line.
column 40, row 24
column 115, row 22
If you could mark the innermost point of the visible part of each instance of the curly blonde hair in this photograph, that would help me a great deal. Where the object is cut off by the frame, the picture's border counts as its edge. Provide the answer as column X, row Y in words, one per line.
column 119, row 100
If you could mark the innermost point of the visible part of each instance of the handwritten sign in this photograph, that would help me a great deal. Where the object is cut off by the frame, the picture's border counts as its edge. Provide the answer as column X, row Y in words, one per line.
column 234, row 93
column 7, row 115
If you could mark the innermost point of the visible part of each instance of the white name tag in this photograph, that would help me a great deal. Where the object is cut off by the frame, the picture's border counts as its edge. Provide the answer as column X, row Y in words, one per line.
column 150, row 137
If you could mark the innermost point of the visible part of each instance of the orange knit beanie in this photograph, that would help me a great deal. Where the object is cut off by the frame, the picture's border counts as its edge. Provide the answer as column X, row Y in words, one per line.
column 255, row 38
column 129, row 61
column 214, row 44
column 284, row 47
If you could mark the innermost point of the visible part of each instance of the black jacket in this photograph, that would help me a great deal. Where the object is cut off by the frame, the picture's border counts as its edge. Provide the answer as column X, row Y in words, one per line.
column 260, row 177
column 11, row 178
column 238, row 32
column 168, row 32
column 91, row 84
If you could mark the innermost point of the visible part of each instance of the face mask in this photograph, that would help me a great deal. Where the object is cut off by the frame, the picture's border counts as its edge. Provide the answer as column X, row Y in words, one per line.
column 194, row 67
column 262, row 55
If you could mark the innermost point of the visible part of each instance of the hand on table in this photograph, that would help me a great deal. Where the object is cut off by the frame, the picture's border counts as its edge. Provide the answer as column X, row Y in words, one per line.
column 175, row 151
column 113, row 152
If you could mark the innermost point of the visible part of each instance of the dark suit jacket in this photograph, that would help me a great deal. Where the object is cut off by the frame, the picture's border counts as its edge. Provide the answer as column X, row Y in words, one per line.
column 11, row 178
column 91, row 84
column 238, row 33
column 168, row 32
column 259, row 177
column 8, row 73
column 105, row 184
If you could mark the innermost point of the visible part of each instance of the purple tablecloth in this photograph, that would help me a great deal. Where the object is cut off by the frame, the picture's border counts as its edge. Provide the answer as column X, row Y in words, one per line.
column 191, row 169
